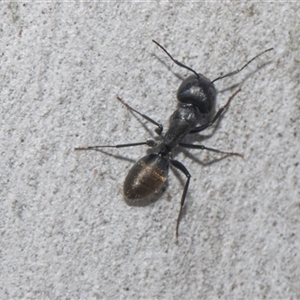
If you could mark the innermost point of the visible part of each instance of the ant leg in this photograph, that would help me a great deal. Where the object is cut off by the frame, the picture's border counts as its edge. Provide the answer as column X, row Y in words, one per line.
column 218, row 114
column 149, row 143
column 159, row 128
column 178, row 165
column 201, row 147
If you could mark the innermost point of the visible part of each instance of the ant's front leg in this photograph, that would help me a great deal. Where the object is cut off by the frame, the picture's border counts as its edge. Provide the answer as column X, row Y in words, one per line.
column 159, row 128
column 216, row 117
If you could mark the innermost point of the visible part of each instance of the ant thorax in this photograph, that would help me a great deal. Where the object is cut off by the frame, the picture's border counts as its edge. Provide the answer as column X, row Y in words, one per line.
column 182, row 121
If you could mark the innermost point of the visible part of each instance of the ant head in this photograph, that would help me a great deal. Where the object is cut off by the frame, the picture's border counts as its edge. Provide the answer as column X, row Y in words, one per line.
column 198, row 91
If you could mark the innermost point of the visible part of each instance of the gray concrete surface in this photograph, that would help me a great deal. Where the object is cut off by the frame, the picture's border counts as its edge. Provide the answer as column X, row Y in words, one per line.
column 66, row 232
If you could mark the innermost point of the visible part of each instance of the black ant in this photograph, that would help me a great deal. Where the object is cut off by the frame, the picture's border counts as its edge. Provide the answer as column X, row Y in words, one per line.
column 197, row 100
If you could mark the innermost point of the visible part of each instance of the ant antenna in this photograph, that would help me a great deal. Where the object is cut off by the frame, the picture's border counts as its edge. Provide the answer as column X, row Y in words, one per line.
column 174, row 60
column 243, row 67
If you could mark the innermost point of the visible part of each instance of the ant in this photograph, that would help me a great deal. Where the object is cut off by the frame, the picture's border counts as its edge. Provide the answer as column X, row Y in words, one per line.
column 197, row 100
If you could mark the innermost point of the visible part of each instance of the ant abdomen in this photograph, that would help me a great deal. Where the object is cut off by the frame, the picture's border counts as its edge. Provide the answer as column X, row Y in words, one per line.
column 145, row 179
column 200, row 92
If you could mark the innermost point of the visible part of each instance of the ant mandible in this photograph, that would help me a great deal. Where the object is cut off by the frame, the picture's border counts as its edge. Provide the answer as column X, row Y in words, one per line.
column 197, row 100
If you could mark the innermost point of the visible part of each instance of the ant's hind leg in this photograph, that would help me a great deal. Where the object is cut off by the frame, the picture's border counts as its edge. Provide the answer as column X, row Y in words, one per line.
column 178, row 165
column 159, row 128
